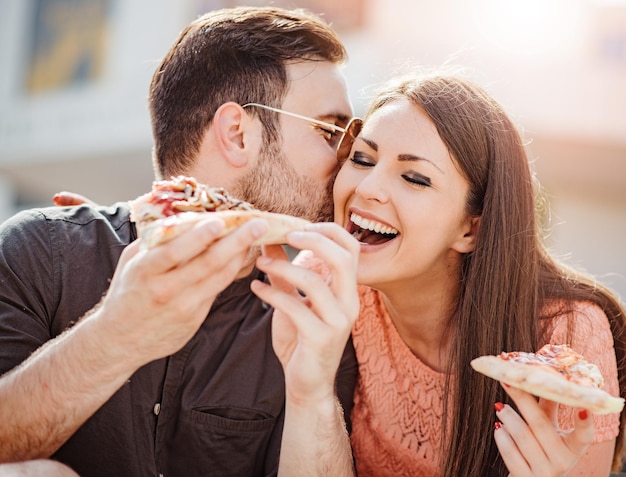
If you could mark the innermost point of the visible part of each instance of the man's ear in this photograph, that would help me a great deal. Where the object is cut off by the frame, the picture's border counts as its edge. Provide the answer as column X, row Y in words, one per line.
column 234, row 134
column 467, row 242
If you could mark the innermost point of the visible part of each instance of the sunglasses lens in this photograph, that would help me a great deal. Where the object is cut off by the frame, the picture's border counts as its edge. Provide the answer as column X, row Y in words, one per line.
column 345, row 144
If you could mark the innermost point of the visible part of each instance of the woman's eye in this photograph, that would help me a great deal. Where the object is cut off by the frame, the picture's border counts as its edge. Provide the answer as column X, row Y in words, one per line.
column 417, row 179
column 360, row 159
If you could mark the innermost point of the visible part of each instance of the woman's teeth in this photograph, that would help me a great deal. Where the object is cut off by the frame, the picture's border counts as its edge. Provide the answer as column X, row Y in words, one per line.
column 372, row 225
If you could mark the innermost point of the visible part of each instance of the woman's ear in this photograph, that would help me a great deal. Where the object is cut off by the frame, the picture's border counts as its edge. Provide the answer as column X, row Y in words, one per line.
column 233, row 132
column 467, row 242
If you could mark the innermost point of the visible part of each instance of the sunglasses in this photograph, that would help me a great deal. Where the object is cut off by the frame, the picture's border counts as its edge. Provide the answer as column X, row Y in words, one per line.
column 348, row 133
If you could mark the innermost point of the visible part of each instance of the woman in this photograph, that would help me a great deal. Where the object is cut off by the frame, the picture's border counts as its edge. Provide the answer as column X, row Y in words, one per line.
column 437, row 189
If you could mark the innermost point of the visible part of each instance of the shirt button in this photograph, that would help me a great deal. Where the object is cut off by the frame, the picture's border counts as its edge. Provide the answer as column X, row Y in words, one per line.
column 157, row 410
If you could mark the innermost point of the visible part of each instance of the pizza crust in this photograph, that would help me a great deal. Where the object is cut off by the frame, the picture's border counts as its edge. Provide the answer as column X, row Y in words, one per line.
column 156, row 232
column 545, row 382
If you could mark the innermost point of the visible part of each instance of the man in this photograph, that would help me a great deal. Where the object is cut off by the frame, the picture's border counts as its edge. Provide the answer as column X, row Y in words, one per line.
column 142, row 381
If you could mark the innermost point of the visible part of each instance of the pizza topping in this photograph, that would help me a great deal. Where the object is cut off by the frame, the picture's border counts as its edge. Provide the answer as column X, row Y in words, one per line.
column 175, row 206
column 561, row 359
column 370, row 231
column 183, row 194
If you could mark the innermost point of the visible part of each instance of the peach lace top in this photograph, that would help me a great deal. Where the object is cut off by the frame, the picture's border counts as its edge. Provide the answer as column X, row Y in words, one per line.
column 398, row 401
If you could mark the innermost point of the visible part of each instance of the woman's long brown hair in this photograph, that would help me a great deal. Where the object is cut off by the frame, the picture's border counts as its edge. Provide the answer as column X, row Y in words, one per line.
column 506, row 283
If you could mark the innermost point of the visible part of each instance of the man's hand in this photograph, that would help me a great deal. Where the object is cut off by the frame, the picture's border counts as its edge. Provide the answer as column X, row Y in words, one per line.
column 310, row 332
column 64, row 198
column 158, row 298
column 309, row 335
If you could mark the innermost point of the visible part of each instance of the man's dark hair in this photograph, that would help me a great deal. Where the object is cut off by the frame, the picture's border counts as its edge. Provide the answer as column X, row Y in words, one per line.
column 237, row 54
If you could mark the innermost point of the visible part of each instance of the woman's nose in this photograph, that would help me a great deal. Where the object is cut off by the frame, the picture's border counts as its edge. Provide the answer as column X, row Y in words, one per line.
column 374, row 186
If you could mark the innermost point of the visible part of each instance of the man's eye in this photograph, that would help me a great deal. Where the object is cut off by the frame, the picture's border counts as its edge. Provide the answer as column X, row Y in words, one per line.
column 332, row 137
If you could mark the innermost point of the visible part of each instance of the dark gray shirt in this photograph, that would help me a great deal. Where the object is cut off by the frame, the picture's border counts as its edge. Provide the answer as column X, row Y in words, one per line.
column 215, row 408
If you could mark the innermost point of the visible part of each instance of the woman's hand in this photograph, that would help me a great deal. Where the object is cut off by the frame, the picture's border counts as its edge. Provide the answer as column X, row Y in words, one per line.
column 534, row 445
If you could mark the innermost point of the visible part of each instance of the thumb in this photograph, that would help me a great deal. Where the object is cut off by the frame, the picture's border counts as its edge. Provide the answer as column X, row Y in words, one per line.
column 129, row 253
column 276, row 252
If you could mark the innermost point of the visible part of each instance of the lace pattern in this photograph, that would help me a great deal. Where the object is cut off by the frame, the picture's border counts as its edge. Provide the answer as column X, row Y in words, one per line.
column 398, row 401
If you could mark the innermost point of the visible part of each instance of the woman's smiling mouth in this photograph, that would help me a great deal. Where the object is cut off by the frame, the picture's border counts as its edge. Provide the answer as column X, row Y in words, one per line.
column 370, row 231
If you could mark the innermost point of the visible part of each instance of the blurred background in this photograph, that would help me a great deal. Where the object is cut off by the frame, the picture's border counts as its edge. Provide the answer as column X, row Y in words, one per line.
column 75, row 75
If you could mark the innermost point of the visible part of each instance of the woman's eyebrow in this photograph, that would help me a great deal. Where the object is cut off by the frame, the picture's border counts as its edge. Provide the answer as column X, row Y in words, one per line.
column 369, row 142
column 401, row 157
column 413, row 157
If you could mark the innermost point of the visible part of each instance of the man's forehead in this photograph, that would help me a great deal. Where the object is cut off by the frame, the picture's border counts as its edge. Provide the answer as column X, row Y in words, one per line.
column 317, row 88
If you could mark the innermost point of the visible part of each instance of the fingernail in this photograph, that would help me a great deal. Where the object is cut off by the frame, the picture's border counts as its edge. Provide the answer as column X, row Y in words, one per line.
column 499, row 406
column 259, row 228
column 295, row 236
column 263, row 260
column 215, row 226
column 497, row 425
column 583, row 414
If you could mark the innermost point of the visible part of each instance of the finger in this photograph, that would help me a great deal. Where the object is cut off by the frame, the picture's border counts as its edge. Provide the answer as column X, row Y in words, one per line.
column 221, row 260
column 309, row 350
column 307, row 282
column 277, row 252
column 186, row 246
column 337, row 249
column 544, row 427
column 199, row 258
column 525, row 439
column 558, row 455
column 513, row 459
column 306, row 322
column 133, row 249
column 329, row 308
column 65, row 198
column 336, row 233
column 196, row 282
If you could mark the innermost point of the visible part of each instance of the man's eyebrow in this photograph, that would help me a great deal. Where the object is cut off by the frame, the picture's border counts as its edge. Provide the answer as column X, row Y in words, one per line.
column 339, row 117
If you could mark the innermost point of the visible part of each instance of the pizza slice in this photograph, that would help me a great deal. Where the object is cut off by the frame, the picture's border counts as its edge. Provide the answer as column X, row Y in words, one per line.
column 555, row 372
column 176, row 205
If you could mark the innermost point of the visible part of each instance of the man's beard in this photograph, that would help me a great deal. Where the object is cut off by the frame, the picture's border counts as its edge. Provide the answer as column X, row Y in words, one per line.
column 275, row 186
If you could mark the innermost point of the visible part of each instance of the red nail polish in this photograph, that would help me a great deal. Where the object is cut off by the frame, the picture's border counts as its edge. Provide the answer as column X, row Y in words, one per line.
column 499, row 406
column 497, row 425
column 583, row 414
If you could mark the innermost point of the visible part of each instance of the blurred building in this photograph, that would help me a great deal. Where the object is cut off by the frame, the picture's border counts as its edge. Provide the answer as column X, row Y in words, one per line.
column 75, row 77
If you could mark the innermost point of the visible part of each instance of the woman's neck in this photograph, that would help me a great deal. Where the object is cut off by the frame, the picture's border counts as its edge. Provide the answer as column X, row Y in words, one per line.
column 421, row 314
